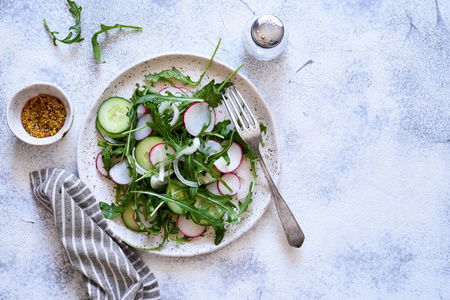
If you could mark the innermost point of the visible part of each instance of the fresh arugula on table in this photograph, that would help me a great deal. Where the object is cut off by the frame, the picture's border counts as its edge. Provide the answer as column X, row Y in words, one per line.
column 75, row 10
column 105, row 28
column 76, row 13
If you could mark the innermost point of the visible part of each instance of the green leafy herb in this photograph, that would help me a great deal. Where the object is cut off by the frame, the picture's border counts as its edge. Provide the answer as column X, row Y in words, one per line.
column 76, row 13
column 111, row 211
column 212, row 93
column 263, row 133
column 168, row 75
column 105, row 28
column 244, row 205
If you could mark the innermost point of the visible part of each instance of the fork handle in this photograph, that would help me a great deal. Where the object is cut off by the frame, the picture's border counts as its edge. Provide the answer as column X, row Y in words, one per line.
column 294, row 233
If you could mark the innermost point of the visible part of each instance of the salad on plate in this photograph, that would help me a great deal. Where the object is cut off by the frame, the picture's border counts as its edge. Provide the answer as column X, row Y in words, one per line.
column 177, row 168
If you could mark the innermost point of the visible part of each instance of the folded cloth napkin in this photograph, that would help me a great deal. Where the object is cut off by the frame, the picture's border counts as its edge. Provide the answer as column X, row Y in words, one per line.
column 110, row 268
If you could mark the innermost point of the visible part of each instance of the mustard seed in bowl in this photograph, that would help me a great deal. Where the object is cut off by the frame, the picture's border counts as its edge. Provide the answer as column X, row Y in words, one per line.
column 43, row 116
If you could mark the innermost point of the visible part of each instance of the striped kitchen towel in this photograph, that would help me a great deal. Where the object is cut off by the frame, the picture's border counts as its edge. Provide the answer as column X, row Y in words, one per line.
column 110, row 268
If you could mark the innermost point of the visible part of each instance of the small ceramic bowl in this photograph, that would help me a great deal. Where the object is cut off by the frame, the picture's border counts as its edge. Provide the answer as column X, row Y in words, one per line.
column 17, row 102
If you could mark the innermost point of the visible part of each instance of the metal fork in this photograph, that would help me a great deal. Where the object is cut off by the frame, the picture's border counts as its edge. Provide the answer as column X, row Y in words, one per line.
column 248, row 129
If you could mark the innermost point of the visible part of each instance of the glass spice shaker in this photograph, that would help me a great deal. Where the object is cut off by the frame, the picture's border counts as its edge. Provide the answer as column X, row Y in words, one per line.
column 264, row 37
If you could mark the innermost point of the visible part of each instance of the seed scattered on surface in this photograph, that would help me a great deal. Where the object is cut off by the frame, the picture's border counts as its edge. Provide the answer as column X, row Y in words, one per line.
column 43, row 116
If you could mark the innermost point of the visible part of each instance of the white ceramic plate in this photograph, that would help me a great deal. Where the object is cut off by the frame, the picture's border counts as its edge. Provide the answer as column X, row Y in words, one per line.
column 123, row 85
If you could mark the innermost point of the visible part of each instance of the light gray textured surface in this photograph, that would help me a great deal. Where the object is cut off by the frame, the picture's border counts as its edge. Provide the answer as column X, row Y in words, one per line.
column 361, row 100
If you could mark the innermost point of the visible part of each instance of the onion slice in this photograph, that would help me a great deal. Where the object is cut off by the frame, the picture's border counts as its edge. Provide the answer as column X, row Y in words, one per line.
column 176, row 112
column 139, row 169
column 186, row 151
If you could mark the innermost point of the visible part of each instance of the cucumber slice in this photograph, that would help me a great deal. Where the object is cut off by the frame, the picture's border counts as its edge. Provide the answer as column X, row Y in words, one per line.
column 104, row 133
column 175, row 208
column 128, row 219
column 176, row 191
column 142, row 152
column 208, row 178
column 112, row 115
column 212, row 209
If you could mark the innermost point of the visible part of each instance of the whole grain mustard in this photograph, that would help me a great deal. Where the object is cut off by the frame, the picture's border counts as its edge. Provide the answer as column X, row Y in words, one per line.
column 43, row 116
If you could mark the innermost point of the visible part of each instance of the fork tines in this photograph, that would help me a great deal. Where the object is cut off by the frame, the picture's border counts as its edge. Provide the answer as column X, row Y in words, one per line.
column 239, row 110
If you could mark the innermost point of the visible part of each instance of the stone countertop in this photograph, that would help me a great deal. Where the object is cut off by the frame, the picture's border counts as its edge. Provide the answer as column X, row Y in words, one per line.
column 361, row 101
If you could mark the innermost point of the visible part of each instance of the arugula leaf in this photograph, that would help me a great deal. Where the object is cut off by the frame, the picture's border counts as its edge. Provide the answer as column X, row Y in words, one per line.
column 152, row 96
column 199, row 214
column 222, row 202
column 263, row 133
column 76, row 13
column 111, row 211
column 163, row 128
column 109, row 151
column 212, row 92
column 244, row 205
column 220, row 232
column 105, row 28
column 168, row 75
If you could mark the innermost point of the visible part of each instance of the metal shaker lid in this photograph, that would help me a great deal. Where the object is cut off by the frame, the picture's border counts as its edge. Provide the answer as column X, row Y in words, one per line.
column 267, row 31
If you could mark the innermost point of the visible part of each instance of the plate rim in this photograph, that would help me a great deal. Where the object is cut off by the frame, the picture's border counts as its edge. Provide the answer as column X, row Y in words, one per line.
column 259, row 96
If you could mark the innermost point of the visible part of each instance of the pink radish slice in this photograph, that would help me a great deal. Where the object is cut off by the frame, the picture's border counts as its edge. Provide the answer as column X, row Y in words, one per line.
column 235, row 154
column 198, row 115
column 143, row 220
column 212, row 187
column 120, row 173
column 99, row 165
column 233, row 181
column 141, row 110
column 159, row 154
column 144, row 132
column 212, row 147
column 246, row 175
column 189, row 228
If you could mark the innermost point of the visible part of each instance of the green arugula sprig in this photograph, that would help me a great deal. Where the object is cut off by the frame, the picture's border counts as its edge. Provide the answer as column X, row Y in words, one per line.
column 169, row 75
column 76, row 13
column 105, row 28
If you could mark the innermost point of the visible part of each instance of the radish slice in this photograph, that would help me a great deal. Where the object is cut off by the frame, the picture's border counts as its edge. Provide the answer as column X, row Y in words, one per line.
column 144, row 132
column 186, row 151
column 140, row 111
column 211, row 147
column 212, row 187
column 145, row 222
column 158, row 154
column 99, row 165
column 235, row 154
column 120, row 173
column 198, row 115
column 233, row 181
column 246, row 175
column 189, row 228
